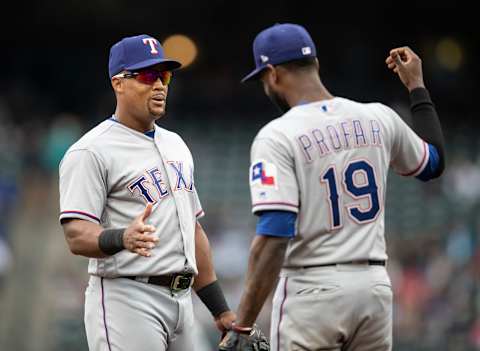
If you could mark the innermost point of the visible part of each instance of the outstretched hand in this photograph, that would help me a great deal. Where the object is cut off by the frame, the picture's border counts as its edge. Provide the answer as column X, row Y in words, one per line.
column 137, row 237
column 225, row 320
column 407, row 65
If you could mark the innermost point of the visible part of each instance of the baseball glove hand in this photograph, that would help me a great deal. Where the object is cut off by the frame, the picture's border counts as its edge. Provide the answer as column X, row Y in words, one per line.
column 254, row 340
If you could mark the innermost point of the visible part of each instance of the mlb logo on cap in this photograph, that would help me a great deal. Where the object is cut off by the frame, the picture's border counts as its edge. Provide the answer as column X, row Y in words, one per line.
column 263, row 173
column 307, row 50
column 279, row 44
column 137, row 52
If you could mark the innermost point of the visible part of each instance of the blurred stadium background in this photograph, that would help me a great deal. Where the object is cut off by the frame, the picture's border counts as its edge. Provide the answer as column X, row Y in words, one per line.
column 54, row 86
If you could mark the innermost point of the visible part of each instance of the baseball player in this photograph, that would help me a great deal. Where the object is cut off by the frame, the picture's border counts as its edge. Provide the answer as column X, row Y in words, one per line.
column 318, row 183
column 128, row 202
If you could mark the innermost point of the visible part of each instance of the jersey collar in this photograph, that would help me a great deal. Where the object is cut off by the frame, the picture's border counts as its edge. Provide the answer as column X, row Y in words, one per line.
column 150, row 133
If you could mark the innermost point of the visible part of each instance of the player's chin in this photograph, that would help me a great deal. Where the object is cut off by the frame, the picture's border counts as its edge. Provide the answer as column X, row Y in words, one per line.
column 157, row 110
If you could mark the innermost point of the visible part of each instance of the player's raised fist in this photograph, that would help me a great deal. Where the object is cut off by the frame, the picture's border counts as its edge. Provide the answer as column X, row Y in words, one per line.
column 137, row 237
column 407, row 65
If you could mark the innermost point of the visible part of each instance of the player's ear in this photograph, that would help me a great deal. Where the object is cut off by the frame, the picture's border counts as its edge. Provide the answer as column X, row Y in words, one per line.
column 117, row 84
column 270, row 75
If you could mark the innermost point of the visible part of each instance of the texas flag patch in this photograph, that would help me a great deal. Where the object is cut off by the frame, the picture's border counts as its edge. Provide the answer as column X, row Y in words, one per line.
column 263, row 173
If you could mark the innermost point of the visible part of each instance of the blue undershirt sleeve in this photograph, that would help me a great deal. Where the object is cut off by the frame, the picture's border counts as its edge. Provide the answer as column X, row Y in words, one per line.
column 277, row 223
column 432, row 166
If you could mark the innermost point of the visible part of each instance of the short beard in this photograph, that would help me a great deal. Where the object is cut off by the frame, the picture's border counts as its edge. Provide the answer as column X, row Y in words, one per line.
column 156, row 115
column 279, row 101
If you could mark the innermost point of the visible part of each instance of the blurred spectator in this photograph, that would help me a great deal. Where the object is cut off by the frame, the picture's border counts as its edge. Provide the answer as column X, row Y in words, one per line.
column 10, row 161
column 459, row 244
column 64, row 131
column 462, row 180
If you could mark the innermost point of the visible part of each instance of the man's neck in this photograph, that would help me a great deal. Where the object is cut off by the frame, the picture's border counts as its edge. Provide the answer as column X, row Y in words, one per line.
column 134, row 123
column 308, row 91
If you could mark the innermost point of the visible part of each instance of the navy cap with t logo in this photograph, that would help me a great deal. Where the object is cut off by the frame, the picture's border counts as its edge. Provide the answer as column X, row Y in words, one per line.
column 141, row 51
column 279, row 44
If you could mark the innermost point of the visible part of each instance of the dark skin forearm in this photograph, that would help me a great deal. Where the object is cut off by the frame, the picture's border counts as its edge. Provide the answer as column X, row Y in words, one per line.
column 203, row 255
column 266, row 259
column 206, row 274
column 82, row 237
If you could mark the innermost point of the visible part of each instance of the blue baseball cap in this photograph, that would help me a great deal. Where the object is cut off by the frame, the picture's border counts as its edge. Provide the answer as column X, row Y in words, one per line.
column 133, row 53
column 279, row 44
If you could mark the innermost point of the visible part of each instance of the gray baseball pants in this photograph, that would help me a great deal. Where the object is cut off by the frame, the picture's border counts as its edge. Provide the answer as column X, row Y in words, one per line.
column 127, row 315
column 345, row 307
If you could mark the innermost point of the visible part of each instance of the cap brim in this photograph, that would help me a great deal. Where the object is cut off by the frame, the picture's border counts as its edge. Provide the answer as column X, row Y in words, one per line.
column 169, row 64
column 254, row 74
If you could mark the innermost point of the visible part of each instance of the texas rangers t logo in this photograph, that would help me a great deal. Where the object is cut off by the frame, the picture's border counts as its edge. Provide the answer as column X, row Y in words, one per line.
column 153, row 43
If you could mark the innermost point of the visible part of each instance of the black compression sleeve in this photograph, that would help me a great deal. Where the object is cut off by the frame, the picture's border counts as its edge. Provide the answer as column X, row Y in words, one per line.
column 426, row 122
column 212, row 296
column 110, row 241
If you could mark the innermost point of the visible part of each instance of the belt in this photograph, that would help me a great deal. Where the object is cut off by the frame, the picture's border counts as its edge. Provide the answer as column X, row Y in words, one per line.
column 176, row 282
column 369, row 262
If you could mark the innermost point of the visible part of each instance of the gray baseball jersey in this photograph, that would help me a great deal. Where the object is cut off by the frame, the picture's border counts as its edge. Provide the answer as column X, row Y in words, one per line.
column 109, row 175
column 328, row 161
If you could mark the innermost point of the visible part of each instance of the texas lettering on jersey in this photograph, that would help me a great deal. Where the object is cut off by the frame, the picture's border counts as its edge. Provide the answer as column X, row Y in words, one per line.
column 151, row 185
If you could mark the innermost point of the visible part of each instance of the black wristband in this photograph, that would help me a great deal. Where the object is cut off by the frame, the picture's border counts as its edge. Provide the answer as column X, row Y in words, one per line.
column 110, row 241
column 212, row 296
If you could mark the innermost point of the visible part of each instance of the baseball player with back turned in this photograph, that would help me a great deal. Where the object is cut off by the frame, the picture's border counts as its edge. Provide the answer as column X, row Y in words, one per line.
column 128, row 202
column 318, row 183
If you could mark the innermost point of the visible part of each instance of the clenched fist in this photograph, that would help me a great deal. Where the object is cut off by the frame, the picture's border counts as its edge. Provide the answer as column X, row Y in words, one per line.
column 408, row 66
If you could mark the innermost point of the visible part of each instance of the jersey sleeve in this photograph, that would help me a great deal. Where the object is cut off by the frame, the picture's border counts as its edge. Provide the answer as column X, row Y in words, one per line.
column 273, row 183
column 199, row 213
column 409, row 154
column 82, row 186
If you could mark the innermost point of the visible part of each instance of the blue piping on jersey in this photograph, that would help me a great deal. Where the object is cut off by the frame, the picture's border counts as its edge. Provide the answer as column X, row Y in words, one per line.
column 150, row 133
column 431, row 168
column 277, row 223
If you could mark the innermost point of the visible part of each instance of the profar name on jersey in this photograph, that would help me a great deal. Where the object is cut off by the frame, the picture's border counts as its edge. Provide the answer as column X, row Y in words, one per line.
column 344, row 135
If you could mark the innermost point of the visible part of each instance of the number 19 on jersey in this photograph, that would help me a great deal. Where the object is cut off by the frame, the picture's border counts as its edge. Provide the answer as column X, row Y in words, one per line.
column 367, row 188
